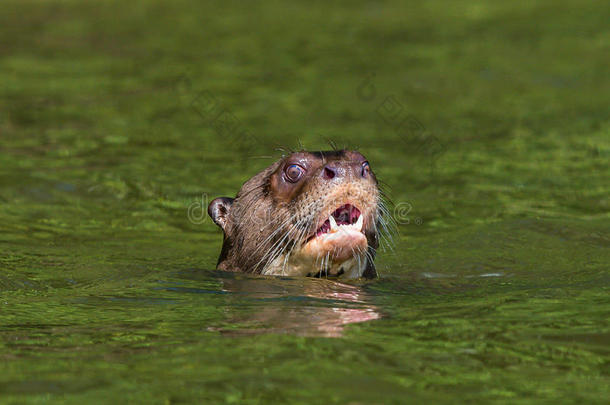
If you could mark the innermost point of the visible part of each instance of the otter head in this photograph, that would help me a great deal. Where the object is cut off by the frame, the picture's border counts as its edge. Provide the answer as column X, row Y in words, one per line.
column 308, row 214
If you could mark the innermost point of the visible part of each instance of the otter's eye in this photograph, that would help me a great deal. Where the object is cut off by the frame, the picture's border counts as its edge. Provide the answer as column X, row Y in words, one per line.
column 293, row 173
column 366, row 169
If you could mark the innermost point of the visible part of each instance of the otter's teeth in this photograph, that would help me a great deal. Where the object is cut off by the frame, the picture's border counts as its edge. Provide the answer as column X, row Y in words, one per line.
column 333, row 224
column 359, row 222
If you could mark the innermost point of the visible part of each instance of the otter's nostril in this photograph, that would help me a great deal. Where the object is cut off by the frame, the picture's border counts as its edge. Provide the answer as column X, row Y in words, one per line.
column 329, row 173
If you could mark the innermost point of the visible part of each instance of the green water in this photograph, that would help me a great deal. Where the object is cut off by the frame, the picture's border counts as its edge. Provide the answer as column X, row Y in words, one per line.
column 496, row 289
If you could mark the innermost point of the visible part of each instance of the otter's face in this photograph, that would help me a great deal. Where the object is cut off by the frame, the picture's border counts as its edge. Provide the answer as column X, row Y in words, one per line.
column 311, row 213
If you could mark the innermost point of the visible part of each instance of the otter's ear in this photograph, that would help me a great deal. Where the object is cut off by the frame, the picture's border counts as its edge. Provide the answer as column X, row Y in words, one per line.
column 218, row 210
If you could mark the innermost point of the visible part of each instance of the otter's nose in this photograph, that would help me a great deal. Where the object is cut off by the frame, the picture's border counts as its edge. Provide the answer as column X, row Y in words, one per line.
column 329, row 172
column 341, row 171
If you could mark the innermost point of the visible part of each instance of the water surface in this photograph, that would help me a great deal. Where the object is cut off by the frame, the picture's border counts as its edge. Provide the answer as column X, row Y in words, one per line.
column 487, row 122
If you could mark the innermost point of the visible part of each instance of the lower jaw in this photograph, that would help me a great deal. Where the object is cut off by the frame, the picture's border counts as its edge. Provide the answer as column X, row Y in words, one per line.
column 337, row 253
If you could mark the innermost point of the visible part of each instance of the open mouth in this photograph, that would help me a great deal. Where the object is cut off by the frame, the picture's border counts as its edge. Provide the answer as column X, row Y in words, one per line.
column 337, row 246
column 345, row 218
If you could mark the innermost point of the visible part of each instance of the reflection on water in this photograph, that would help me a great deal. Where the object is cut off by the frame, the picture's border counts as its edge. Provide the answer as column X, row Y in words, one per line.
column 305, row 307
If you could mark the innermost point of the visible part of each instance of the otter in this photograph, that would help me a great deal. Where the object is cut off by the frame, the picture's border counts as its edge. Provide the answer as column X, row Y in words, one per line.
column 308, row 214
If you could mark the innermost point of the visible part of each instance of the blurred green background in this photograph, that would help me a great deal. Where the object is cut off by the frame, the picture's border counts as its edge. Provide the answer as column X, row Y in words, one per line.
column 487, row 121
